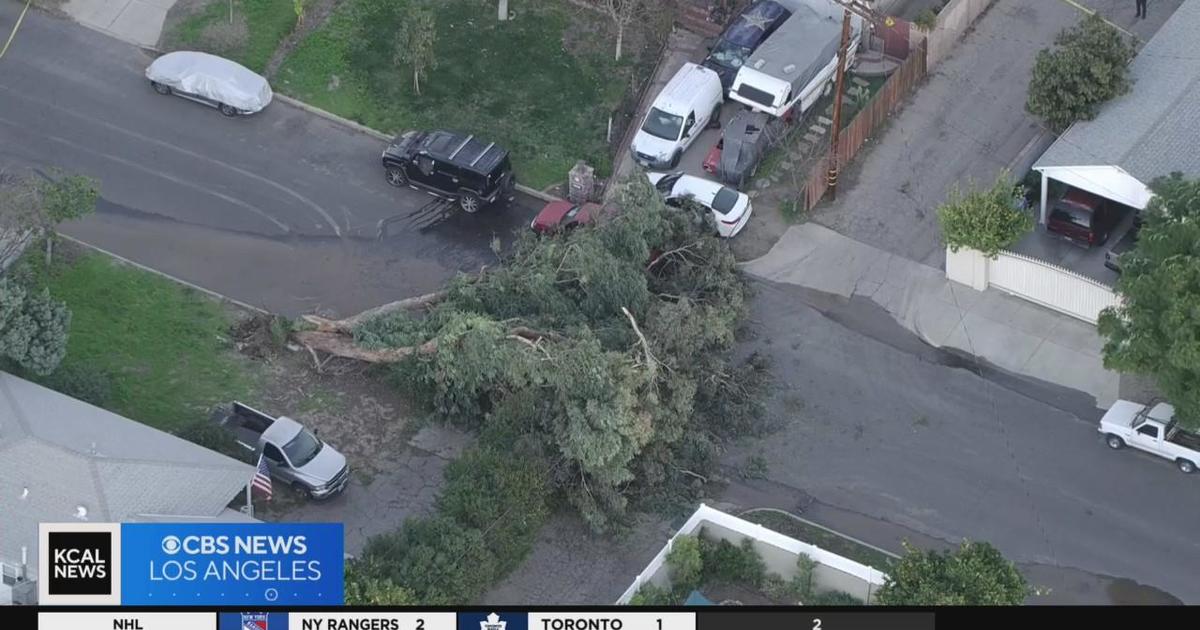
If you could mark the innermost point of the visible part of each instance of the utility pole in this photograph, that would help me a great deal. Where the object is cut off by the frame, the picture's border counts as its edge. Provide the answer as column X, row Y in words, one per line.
column 839, row 88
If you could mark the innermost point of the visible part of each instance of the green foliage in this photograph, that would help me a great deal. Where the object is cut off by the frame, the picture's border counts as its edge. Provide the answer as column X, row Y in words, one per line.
column 727, row 563
column 364, row 587
column 1154, row 330
column 803, row 580
column 69, row 197
column 986, row 220
column 973, row 575
column 1089, row 67
column 414, row 44
column 833, row 598
column 755, row 468
column 651, row 595
column 84, row 382
column 926, row 20
column 438, row 559
column 212, row 436
column 686, row 563
column 33, row 328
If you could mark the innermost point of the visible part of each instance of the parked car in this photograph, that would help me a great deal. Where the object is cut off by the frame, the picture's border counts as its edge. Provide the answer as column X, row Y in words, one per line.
column 742, row 37
column 1083, row 218
column 464, row 169
column 211, row 80
column 1152, row 429
column 1127, row 242
column 564, row 215
column 731, row 209
column 690, row 102
column 294, row 455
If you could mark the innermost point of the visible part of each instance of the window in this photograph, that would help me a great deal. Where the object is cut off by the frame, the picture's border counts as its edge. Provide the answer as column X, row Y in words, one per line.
column 691, row 122
column 1070, row 213
column 425, row 165
column 729, row 55
column 273, row 453
column 660, row 124
column 303, row 448
column 1148, row 430
column 725, row 200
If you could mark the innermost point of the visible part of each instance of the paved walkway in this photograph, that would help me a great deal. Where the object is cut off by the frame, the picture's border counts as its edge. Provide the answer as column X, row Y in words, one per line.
column 135, row 21
column 1006, row 331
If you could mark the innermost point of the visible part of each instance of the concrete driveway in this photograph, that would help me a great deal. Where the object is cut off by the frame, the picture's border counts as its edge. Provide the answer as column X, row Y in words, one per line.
column 281, row 209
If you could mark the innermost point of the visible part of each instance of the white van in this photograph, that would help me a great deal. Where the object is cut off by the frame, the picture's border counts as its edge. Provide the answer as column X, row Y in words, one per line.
column 690, row 102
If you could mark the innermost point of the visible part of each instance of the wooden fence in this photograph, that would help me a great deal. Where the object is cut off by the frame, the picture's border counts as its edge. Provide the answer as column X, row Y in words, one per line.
column 881, row 106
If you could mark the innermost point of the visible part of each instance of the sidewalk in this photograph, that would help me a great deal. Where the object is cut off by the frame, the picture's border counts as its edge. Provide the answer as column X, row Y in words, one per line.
column 136, row 21
column 1006, row 331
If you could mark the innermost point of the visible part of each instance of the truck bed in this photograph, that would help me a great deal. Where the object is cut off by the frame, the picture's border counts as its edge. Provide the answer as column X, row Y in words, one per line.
column 1185, row 439
column 247, row 423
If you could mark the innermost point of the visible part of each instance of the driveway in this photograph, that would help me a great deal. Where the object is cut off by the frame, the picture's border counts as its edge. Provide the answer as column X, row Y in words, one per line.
column 967, row 122
column 280, row 209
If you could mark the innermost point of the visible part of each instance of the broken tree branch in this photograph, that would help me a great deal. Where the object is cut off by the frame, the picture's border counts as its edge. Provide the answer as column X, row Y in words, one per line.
column 341, row 345
column 348, row 324
column 651, row 360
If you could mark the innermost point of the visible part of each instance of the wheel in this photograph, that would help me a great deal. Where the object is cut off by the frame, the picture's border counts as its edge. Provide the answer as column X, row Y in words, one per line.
column 675, row 159
column 228, row 110
column 714, row 121
column 160, row 88
column 396, row 176
column 1114, row 441
column 302, row 490
column 470, row 202
column 1186, row 467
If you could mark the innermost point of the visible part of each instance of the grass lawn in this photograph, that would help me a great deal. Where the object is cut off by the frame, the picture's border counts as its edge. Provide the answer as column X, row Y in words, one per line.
column 165, row 347
column 259, row 26
column 823, row 538
column 543, row 84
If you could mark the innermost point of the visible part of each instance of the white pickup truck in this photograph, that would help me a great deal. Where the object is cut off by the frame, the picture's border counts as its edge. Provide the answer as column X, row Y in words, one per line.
column 1151, row 429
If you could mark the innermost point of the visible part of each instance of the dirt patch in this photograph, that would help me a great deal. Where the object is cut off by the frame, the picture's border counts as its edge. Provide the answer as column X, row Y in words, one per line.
column 223, row 36
column 352, row 405
column 182, row 10
column 314, row 18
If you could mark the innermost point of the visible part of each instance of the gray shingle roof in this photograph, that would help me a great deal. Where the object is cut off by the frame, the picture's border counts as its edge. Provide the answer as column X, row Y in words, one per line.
column 1153, row 130
column 58, row 454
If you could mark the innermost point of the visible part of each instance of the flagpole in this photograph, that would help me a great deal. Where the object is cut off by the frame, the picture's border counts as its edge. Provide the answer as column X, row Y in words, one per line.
column 249, row 497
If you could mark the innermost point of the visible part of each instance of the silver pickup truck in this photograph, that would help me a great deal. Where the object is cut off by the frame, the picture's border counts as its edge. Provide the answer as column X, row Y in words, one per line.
column 295, row 455
column 1152, row 429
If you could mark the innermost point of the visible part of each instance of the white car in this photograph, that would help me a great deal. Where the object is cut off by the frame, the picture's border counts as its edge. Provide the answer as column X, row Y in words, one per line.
column 226, row 85
column 731, row 209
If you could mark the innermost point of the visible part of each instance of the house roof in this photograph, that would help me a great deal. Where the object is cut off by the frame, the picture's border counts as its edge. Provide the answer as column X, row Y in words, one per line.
column 59, row 454
column 1154, row 129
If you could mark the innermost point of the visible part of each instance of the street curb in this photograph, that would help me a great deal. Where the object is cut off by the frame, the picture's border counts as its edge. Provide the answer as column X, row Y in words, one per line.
column 163, row 274
column 379, row 135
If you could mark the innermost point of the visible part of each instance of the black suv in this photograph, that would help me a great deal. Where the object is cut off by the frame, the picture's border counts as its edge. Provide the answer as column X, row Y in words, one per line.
column 464, row 169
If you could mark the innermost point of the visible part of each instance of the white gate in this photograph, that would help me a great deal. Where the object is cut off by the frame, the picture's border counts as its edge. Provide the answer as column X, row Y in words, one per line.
column 1050, row 285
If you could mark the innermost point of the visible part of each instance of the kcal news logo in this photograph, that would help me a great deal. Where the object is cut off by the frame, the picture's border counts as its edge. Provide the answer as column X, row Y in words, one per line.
column 79, row 563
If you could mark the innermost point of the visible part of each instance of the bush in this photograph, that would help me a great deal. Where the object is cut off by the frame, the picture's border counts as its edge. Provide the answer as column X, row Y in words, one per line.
column 732, row 564
column 365, row 587
column 926, row 20
column 439, row 560
column 833, row 598
column 83, row 382
column 975, row 574
column 985, row 220
column 212, row 436
column 687, row 565
column 1089, row 67
column 651, row 595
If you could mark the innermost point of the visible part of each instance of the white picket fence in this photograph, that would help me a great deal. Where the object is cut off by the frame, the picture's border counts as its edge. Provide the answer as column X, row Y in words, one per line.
column 1035, row 280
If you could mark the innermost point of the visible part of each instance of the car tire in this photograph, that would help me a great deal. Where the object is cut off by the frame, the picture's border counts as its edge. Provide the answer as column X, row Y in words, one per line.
column 714, row 121
column 470, row 202
column 227, row 110
column 675, row 159
column 1186, row 467
column 396, row 176
column 165, row 90
column 1114, row 441
column 302, row 490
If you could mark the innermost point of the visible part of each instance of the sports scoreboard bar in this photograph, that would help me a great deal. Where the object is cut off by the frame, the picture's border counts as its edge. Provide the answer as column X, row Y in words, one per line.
column 717, row 618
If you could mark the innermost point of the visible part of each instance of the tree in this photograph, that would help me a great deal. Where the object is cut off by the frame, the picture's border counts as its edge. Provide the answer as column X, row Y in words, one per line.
column 32, row 207
column 65, row 198
column 33, row 328
column 986, row 220
column 1089, row 67
column 414, row 45
column 1154, row 330
column 622, row 13
column 975, row 574
column 298, row 6
column 366, row 587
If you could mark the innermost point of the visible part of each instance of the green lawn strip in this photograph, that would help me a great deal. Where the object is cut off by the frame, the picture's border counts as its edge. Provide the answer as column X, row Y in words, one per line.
column 822, row 538
column 509, row 82
column 164, row 346
column 267, row 23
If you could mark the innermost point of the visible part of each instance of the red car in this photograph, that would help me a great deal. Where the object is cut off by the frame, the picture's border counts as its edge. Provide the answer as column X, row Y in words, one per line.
column 714, row 157
column 563, row 215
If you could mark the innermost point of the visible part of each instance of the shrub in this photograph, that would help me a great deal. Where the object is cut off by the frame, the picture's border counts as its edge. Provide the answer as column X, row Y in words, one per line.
column 985, row 220
column 833, row 598
column 687, row 565
column 733, row 564
column 651, row 595
column 926, row 20
column 439, row 560
column 365, row 587
column 975, row 574
column 215, row 437
column 1089, row 67
column 83, row 382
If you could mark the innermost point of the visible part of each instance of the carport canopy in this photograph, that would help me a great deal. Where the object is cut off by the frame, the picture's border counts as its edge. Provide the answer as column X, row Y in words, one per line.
column 1110, row 182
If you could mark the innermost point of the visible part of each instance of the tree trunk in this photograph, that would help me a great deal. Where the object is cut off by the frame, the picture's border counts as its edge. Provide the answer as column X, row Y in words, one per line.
column 49, row 248
column 620, row 39
column 343, row 346
column 348, row 324
column 502, row 10
column 417, row 81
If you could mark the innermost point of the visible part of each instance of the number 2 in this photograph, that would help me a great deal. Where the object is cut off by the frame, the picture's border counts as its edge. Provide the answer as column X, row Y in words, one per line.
column 816, row 624
column 420, row 624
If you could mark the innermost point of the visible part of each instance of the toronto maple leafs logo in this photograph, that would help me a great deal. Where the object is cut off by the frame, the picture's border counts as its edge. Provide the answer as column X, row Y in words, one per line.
column 492, row 623
column 254, row 621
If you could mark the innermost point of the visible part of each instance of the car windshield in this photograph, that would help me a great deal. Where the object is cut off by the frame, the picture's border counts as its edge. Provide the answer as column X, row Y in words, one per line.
column 729, row 55
column 1071, row 213
column 302, row 449
column 667, row 184
column 725, row 200
column 663, row 125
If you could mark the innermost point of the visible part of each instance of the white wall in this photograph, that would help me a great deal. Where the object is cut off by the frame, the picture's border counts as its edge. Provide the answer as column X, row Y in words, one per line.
column 1110, row 182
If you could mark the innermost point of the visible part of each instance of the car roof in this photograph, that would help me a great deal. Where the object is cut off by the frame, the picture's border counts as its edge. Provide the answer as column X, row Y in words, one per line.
column 677, row 95
column 466, row 151
column 1082, row 198
column 751, row 26
column 704, row 190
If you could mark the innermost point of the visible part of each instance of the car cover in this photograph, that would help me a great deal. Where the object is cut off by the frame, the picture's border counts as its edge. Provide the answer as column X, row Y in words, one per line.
column 745, row 140
column 211, row 77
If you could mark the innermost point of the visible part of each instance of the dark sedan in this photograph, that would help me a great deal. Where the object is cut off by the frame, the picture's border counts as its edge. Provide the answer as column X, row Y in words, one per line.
column 742, row 37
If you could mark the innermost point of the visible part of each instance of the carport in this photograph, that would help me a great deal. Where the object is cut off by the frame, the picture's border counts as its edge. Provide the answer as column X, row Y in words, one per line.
column 1148, row 133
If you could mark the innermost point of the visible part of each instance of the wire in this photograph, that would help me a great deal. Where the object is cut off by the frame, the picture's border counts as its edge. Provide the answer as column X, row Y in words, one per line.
column 14, row 29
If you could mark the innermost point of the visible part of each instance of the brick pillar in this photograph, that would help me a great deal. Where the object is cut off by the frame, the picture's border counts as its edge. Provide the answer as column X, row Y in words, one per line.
column 581, row 181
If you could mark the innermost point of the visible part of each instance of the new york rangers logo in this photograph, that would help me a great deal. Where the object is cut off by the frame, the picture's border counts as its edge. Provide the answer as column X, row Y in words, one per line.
column 254, row 621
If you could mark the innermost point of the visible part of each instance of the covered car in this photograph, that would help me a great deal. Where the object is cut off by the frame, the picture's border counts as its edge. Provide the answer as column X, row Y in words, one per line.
column 747, row 138
column 212, row 80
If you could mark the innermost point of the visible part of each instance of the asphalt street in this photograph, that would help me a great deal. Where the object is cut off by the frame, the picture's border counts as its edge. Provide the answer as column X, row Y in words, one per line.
column 281, row 209
column 879, row 424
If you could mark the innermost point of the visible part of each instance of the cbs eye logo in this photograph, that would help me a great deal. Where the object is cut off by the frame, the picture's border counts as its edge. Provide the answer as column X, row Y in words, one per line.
column 171, row 545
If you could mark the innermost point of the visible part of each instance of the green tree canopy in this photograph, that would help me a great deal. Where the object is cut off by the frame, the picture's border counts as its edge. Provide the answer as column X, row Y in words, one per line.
column 1156, row 328
column 975, row 574
column 33, row 328
column 987, row 220
column 1089, row 67
column 414, row 44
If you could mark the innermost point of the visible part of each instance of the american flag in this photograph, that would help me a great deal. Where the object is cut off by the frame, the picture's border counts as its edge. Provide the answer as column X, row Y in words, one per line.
column 262, row 478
